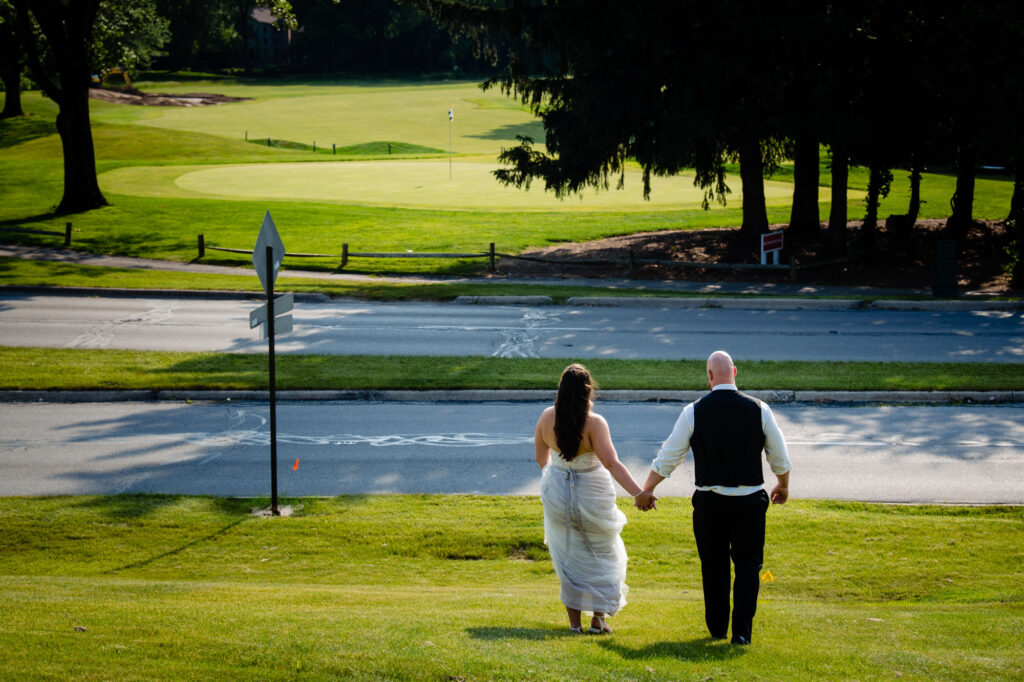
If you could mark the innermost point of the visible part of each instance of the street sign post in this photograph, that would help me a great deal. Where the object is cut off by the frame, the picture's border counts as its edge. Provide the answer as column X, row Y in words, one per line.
column 266, row 258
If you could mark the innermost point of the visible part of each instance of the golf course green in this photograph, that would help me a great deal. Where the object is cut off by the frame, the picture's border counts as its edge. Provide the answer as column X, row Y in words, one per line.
column 466, row 184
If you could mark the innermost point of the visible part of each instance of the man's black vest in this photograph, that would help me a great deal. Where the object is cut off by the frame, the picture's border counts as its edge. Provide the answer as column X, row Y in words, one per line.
column 727, row 440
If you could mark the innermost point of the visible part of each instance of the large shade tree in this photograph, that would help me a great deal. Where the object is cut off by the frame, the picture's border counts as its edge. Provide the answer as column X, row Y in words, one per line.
column 667, row 87
column 611, row 85
column 59, row 58
column 687, row 84
column 65, row 43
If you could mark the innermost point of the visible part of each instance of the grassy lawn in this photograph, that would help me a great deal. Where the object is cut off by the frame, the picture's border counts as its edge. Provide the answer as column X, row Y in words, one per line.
column 79, row 369
column 397, row 587
column 16, row 271
column 162, row 168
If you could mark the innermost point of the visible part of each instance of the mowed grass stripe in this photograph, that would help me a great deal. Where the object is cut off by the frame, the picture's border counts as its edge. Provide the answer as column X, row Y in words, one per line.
column 81, row 369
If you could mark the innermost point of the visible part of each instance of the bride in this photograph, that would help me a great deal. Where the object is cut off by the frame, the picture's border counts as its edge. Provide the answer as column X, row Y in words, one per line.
column 581, row 521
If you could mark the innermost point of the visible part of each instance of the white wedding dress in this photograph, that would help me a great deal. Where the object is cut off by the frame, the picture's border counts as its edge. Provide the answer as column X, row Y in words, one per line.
column 581, row 530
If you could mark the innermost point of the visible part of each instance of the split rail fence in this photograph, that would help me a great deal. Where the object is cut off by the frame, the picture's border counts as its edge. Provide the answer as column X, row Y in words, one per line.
column 630, row 260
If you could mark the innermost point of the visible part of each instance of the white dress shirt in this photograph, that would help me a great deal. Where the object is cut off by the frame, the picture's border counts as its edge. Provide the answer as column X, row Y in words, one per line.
column 674, row 450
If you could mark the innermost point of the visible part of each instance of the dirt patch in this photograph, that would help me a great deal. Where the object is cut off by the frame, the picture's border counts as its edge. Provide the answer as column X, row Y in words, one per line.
column 895, row 263
column 139, row 98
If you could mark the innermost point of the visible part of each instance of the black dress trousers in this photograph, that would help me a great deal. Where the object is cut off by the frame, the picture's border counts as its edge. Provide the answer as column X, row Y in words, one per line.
column 725, row 528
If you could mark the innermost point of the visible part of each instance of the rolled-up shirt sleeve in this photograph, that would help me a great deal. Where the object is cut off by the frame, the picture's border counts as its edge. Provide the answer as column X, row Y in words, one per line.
column 775, row 449
column 673, row 450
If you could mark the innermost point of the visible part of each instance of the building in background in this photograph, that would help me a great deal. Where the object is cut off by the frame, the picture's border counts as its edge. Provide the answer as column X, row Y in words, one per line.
column 270, row 44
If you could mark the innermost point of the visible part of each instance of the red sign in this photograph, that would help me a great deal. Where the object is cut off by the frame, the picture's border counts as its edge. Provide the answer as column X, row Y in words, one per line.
column 771, row 241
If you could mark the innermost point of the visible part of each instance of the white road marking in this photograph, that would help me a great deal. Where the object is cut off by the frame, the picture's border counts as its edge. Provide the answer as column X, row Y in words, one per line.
column 521, row 343
column 102, row 334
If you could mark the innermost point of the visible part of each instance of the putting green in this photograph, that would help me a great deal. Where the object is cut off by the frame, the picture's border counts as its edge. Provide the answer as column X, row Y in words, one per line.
column 485, row 122
column 409, row 184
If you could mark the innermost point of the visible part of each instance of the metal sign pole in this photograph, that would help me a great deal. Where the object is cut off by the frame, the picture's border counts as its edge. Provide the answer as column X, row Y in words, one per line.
column 273, row 383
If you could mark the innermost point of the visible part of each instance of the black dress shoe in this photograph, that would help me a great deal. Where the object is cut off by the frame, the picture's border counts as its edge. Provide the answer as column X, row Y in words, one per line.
column 740, row 639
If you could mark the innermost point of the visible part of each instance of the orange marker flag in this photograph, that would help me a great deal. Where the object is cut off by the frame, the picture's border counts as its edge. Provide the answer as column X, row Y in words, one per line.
column 296, row 467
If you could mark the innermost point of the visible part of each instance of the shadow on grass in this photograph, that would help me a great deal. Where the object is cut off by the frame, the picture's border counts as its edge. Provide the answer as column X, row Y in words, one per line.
column 176, row 550
column 494, row 633
column 21, row 129
column 38, row 217
column 534, row 129
column 704, row 649
column 129, row 507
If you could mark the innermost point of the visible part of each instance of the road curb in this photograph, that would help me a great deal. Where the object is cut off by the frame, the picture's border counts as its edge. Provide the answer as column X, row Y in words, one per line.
column 947, row 306
column 751, row 302
column 503, row 300
column 730, row 302
column 521, row 395
column 200, row 294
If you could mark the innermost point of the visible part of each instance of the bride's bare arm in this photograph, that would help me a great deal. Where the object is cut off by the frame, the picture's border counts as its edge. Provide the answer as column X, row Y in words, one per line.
column 601, row 440
column 540, row 448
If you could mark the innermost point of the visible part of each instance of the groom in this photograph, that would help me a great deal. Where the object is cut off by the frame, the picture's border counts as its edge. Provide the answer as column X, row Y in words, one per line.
column 727, row 431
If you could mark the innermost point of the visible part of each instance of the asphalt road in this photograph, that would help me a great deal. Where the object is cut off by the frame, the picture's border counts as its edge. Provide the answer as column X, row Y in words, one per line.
column 886, row 454
column 515, row 331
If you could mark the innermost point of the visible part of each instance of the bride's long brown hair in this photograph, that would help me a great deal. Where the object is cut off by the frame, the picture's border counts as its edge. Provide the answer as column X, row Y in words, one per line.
column 571, row 408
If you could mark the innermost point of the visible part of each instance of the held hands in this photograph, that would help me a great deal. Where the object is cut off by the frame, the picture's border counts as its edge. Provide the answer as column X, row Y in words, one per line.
column 645, row 501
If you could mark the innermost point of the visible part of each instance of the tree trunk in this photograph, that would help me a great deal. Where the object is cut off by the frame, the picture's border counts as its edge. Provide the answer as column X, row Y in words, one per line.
column 915, row 193
column 10, row 64
column 68, row 30
column 1017, row 200
column 81, row 187
column 870, row 225
column 962, row 202
column 804, row 220
column 12, row 93
column 755, row 213
column 837, row 216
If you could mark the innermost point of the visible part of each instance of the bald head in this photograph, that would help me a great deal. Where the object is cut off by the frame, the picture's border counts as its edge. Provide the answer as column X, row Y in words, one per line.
column 720, row 369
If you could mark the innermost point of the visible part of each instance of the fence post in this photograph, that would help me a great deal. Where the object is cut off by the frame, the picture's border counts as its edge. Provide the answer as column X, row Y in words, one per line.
column 334, row 148
column 492, row 256
column 67, row 235
column 268, row 141
column 314, row 146
column 202, row 246
column 344, row 254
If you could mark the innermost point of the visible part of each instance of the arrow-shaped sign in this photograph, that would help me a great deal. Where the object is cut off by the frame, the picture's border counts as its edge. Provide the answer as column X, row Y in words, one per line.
column 268, row 236
column 282, row 304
